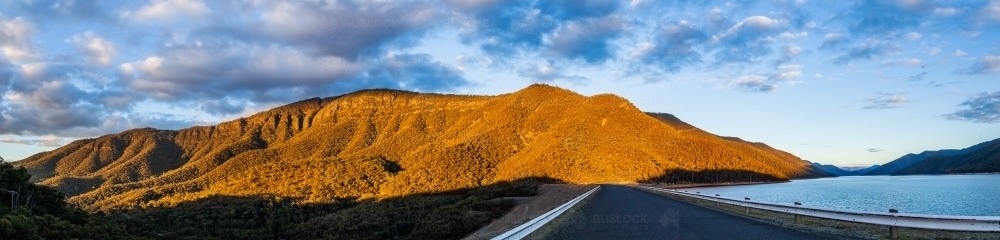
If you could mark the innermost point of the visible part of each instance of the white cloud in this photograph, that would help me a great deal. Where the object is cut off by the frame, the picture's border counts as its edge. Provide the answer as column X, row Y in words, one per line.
column 98, row 50
column 791, row 50
column 983, row 108
column 755, row 83
column 576, row 39
column 985, row 65
column 911, row 4
column 346, row 29
column 788, row 53
column 947, row 12
column 547, row 72
column 293, row 20
column 960, row 53
column 476, row 4
column 833, row 36
column 754, row 24
column 833, row 41
column 886, row 100
column 971, row 34
column 642, row 49
column 913, row 36
column 912, row 62
column 717, row 18
column 764, row 83
column 33, row 71
column 787, row 75
column 758, row 22
column 991, row 12
column 168, row 10
column 15, row 43
column 788, row 72
column 44, row 141
column 746, row 41
column 637, row 3
column 868, row 50
column 184, row 72
column 792, row 36
column 934, row 51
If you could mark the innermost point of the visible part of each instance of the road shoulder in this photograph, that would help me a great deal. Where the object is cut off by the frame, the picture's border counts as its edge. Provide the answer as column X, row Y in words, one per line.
column 549, row 197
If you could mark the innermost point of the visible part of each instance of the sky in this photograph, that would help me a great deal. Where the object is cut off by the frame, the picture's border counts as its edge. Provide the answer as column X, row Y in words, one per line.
column 835, row 82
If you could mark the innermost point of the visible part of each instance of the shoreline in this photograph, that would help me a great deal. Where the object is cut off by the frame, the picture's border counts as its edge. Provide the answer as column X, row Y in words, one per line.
column 836, row 228
column 941, row 174
column 699, row 185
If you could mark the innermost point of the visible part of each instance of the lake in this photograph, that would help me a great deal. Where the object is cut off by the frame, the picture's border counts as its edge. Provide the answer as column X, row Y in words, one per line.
column 962, row 195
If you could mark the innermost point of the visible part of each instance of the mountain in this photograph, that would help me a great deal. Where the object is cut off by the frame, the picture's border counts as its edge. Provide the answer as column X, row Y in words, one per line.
column 844, row 171
column 833, row 169
column 908, row 160
column 982, row 158
column 377, row 144
column 860, row 170
column 807, row 170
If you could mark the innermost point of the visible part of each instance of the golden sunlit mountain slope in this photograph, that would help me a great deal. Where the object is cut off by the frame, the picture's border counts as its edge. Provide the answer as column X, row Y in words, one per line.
column 385, row 143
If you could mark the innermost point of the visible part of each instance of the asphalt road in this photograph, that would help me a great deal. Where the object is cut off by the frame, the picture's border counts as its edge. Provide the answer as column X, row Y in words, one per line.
column 620, row 213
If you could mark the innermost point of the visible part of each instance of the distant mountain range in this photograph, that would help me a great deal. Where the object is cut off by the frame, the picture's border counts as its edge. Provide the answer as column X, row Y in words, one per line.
column 864, row 170
column 980, row 158
column 376, row 144
column 844, row 171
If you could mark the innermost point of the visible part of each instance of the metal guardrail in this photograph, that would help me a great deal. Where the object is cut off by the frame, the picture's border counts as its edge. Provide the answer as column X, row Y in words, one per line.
column 892, row 220
column 527, row 228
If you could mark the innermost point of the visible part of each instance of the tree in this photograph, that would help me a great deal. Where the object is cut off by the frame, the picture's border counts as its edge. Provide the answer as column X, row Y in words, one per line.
column 40, row 212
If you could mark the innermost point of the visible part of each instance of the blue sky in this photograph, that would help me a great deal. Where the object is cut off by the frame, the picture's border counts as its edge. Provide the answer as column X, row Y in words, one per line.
column 830, row 81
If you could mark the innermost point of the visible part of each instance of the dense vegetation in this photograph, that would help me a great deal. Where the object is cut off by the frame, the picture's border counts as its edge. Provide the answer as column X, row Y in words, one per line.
column 450, row 215
column 980, row 158
column 907, row 160
column 380, row 144
column 713, row 176
column 41, row 213
column 834, row 170
column 850, row 171
column 30, row 211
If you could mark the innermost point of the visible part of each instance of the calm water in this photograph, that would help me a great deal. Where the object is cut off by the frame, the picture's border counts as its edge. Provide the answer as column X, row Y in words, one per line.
column 965, row 195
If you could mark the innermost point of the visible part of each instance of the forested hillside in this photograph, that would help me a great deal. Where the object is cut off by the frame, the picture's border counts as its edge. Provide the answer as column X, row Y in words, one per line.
column 38, row 212
column 30, row 211
column 834, row 170
column 378, row 144
column 906, row 161
column 984, row 158
column 974, row 159
column 862, row 170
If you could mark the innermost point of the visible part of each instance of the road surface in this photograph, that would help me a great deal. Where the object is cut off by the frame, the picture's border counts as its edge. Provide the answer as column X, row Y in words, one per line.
column 620, row 213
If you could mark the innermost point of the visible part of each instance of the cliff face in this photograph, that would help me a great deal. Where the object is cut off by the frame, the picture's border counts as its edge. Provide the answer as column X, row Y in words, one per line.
column 384, row 143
